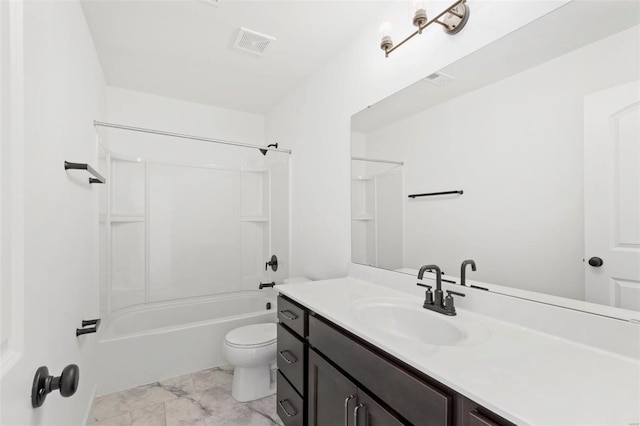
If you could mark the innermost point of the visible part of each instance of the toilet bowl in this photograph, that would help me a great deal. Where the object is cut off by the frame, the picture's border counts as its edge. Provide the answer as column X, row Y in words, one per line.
column 252, row 351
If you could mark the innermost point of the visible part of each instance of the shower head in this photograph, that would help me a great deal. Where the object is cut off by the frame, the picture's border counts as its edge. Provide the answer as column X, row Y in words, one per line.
column 273, row 145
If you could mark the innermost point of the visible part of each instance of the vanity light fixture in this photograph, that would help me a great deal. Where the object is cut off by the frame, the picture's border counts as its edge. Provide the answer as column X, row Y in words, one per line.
column 453, row 19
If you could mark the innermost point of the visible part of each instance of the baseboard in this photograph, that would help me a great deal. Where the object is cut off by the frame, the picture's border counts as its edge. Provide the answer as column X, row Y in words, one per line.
column 87, row 412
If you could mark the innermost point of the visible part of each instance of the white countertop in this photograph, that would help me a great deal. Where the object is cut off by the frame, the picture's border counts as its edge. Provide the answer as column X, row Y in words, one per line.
column 523, row 375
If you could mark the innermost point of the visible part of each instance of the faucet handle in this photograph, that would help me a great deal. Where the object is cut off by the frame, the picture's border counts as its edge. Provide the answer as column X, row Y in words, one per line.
column 428, row 295
column 449, row 308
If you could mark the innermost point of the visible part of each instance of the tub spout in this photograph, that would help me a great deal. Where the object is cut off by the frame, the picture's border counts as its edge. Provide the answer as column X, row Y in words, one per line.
column 263, row 285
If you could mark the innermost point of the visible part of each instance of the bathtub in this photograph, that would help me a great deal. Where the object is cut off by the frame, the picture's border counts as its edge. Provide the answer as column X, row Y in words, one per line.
column 146, row 343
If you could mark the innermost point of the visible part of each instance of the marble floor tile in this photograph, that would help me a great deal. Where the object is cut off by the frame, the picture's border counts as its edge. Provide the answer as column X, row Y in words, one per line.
column 122, row 420
column 145, row 396
column 202, row 398
column 179, row 386
column 217, row 399
column 240, row 415
column 214, row 377
column 266, row 407
column 108, row 406
column 184, row 411
column 149, row 416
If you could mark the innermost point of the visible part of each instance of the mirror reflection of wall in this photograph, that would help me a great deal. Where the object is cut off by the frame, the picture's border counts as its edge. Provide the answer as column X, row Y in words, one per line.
column 508, row 129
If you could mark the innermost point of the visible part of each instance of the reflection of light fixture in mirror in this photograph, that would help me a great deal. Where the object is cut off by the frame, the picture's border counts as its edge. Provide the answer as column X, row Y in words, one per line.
column 385, row 36
column 454, row 18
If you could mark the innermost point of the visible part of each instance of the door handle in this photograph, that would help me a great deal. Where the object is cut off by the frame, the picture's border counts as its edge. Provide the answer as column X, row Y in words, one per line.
column 596, row 262
column 286, row 358
column 289, row 315
column 356, row 411
column 346, row 409
column 286, row 412
column 43, row 384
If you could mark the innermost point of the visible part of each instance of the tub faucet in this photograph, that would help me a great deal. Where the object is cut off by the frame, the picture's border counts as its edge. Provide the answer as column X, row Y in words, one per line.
column 463, row 270
column 263, row 285
column 438, row 303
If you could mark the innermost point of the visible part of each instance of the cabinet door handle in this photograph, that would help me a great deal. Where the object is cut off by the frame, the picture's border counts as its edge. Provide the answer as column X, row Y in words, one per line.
column 346, row 409
column 289, row 315
column 286, row 412
column 286, row 358
column 356, row 411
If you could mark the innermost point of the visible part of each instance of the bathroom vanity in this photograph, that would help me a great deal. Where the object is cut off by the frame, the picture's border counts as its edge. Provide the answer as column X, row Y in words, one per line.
column 356, row 353
column 389, row 392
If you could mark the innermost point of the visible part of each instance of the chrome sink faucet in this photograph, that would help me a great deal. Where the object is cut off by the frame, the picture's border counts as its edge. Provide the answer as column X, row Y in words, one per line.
column 435, row 301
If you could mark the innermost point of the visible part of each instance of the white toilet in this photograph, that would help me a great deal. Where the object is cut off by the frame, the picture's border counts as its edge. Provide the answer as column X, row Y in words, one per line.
column 252, row 350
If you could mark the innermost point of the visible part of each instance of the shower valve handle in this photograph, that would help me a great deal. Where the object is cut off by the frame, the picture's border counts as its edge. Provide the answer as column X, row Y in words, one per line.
column 273, row 263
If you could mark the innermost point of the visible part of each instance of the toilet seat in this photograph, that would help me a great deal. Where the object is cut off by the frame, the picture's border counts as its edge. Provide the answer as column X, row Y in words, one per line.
column 252, row 336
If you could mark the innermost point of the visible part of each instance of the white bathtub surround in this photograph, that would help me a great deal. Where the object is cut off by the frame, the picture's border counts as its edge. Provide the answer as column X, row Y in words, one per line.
column 200, row 398
column 165, row 240
column 520, row 373
column 146, row 343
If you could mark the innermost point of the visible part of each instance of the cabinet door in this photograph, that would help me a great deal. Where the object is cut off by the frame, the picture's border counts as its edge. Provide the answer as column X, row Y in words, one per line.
column 332, row 397
column 370, row 413
column 335, row 401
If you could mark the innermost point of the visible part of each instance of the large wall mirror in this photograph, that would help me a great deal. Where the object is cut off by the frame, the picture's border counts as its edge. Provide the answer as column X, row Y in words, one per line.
column 537, row 137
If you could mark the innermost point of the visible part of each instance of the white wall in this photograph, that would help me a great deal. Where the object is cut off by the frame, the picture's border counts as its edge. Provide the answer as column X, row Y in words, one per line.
column 156, row 112
column 314, row 120
column 64, row 93
column 521, row 217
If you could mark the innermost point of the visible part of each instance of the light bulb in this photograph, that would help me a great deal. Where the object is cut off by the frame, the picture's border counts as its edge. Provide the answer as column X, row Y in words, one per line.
column 418, row 5
column 385, row 29
column 420, row 14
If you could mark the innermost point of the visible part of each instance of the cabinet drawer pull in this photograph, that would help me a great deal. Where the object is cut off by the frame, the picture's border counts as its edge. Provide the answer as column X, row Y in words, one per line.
column 356, row 411
column 289, row 315
column 286, row 412
column 286, row 358
column 346, row 409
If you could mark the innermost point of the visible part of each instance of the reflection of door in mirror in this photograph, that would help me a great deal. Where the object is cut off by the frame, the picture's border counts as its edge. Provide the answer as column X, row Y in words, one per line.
column 612, row 196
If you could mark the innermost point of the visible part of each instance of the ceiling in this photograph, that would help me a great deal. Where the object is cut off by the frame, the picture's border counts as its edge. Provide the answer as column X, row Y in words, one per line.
column 182, row 48
column 550, row 36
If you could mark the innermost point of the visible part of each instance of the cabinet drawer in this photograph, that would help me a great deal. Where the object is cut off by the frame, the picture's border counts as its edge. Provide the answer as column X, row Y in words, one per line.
column 292, row 316
column 473, row 414
column 411, row 397
column 289, row 405
column 477, row 419
column 290, row 358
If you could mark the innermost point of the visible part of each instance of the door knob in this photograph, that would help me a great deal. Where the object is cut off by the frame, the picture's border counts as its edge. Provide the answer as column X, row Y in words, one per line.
column 43, row 383
column 596, row 262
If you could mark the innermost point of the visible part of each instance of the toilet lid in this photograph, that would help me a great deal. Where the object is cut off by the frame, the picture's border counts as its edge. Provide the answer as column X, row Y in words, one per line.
column 252, row 335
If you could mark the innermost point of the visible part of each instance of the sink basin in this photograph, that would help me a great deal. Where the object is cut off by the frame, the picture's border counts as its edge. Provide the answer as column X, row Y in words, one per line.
column 408, row 320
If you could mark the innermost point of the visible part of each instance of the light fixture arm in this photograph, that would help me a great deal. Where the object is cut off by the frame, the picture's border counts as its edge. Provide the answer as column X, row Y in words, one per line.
column 462, row 14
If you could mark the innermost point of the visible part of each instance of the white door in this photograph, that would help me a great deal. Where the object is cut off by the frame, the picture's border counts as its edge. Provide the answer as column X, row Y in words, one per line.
column 48, row 216
column 612, row 196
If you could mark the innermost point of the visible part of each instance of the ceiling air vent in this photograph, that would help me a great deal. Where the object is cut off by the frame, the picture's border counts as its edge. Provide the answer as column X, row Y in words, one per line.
column 252, row 42
column 438, row 78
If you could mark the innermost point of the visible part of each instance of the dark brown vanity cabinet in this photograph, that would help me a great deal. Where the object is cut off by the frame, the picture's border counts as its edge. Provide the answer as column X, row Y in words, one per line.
column 335, row 400
column 291, row 359
column 330, row 377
